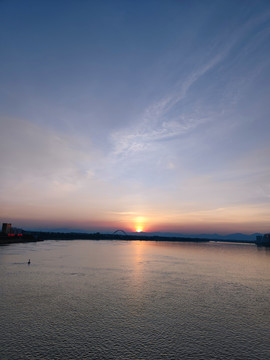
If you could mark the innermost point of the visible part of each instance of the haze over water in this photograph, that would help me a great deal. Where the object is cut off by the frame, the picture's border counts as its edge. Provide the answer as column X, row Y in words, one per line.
column 134, row 300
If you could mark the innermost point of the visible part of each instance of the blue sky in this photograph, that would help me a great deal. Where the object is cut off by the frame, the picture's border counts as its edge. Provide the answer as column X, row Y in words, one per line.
column 119, row 114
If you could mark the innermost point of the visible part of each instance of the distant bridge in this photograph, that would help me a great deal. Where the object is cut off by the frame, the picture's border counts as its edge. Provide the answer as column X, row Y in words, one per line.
column 120, row 231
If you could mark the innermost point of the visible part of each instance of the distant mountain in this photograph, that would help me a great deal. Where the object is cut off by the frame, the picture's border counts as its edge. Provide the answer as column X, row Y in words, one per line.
column 229, row 237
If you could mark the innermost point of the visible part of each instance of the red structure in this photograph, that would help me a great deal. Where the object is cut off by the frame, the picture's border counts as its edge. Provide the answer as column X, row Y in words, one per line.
column 9, row 231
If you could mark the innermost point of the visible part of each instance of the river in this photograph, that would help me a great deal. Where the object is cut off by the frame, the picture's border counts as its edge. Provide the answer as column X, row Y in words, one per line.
column 86, row 299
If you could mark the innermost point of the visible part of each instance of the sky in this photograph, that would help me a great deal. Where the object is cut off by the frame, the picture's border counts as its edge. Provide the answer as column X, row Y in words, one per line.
column 135, row 115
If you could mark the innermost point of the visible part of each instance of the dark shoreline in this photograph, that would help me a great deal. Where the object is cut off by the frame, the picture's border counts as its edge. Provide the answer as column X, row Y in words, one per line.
column 99, row 236
column 34, row 236
column 6, row 240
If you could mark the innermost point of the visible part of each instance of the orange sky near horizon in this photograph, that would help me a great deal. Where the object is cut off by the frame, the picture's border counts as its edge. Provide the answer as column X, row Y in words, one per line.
column 198, row 222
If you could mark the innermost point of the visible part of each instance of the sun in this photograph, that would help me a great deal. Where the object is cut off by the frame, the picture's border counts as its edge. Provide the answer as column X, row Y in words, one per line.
column 139, row 228
column 139, row 224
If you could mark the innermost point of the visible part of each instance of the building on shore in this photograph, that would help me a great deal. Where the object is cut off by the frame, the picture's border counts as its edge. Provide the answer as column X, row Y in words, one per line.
column 6, row 228
column 10, row 235
column 263, row 240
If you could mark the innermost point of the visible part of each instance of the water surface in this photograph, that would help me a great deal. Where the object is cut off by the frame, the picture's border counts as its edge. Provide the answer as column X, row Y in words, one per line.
column 134, row 300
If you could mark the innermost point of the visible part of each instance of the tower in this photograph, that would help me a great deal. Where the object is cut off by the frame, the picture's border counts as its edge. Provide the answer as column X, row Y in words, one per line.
column 6, row 228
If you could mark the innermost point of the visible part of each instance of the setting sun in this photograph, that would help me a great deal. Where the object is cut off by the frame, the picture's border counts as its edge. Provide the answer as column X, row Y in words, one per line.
column 139, row 228
column 139, row 224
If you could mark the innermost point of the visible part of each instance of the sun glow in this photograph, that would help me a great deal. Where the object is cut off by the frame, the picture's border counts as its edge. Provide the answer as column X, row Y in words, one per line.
column 139, row 228
column 139, row 224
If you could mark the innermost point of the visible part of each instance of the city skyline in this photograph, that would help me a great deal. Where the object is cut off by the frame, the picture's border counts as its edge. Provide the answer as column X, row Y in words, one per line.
column 143, row 116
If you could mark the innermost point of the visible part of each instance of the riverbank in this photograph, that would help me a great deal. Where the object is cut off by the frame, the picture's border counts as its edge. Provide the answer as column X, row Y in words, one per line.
column 6, row 240
column 33, row 236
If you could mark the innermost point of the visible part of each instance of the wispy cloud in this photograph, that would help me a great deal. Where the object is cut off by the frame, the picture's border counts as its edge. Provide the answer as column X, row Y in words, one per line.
column 157, row 123
column 164, row 119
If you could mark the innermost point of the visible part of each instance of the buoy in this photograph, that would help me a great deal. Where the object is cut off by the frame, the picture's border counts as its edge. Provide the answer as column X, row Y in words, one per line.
column 29, row 262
